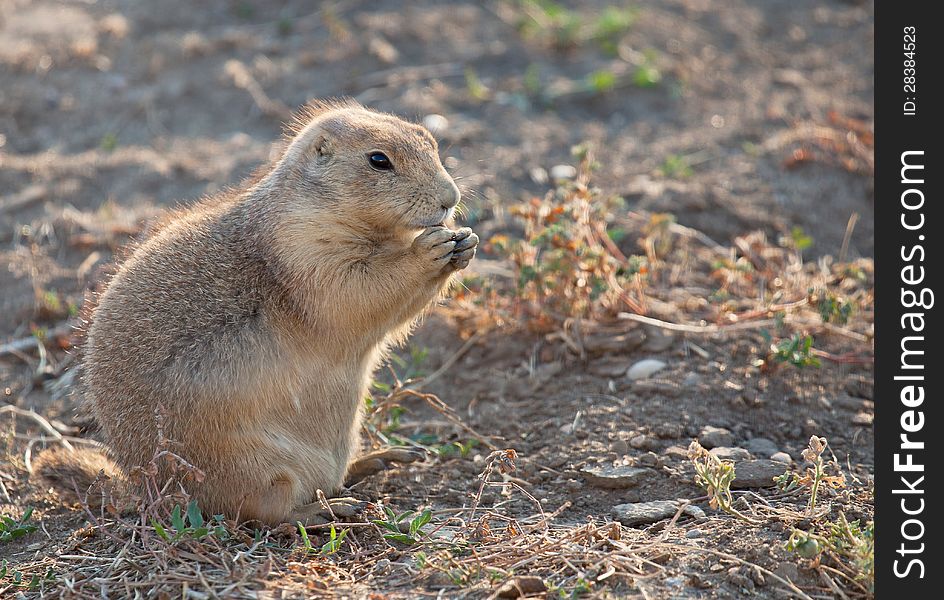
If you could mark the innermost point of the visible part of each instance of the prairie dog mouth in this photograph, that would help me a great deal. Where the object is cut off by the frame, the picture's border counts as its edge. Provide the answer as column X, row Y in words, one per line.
column 446, row 215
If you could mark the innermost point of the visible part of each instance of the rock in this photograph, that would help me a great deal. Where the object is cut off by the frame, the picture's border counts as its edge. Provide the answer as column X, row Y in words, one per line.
column 676, row 452
column 658, row 340
column 436, row 124
column 691, row 380
column 522, row 585
column 641, row 442
column 563, row 172
column 538, row 175
column 641, row 513
column 781, row 457
column 761, row 447
column 788, row 571
column 694, row 534
column 730, row 453
column 612, row 477
column 645, row 368
column 756, row 473
column 711, row 437
column 649, row 459
column 620, row 446
column 668, row 431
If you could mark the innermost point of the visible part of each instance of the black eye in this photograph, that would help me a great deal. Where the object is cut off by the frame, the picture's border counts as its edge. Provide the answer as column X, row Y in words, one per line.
column 379, row 161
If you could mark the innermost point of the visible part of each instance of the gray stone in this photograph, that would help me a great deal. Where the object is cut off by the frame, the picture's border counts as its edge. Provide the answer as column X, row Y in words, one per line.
column 612, row 477
column 693, row 534
column 437, row 124
column 677, row 452
column 658, row 340
column 756, row 473
column 760, row 447
column 641, row 513
column 668, row 431
column 781, row 457
column 711, row 437
column 563, row 172
column 730, row 453
column 620, row 446
column 645, row 368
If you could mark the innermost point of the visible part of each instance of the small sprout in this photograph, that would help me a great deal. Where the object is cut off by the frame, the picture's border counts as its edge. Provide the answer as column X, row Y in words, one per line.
column 798, row 239
column 676, row 166
column 393, row 524
column 715, row 477
column 189, row 524
column 832, row 308
column 477, row 90
column 109, row 142
column 796, row 350
column 12, row 529
column 334, row 542
column 601, row 81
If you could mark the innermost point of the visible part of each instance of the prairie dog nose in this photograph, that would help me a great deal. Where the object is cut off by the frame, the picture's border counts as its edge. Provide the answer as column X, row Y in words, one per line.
column 450, row 196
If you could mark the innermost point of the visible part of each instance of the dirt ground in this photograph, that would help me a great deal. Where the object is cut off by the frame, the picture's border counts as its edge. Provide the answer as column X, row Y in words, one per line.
column 759, row 120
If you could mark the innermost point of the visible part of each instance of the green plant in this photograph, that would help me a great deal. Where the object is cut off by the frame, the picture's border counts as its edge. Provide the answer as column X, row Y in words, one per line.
column 851, row 544
column 798, row 239
column 796, row 350
column 816, row 476
column 108, row 142
column 335, row 540
column 461, row 448
column 612, row 23
column 16, row 578
column 566, row 265
column 12, row 529
column 393, row 525
column 647, row 74
column 676, row 166
column 477, row 90
column 715, row 477
column 601, row 81
column 832, row 308
column 190, row 525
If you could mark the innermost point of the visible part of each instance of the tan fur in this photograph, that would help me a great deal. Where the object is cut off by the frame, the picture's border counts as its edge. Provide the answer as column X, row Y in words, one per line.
column 254, row 319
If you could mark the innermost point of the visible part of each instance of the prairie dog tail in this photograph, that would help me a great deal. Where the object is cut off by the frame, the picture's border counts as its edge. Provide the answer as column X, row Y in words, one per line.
column 73, row 472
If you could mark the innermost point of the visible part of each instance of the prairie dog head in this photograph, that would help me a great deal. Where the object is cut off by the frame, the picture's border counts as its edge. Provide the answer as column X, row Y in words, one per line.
column 366, row 169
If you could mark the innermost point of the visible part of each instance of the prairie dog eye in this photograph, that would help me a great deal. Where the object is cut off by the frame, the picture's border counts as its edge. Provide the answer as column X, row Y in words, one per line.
column 379, row 161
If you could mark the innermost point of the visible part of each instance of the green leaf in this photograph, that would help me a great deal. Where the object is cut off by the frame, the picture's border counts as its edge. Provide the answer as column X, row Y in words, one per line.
column 177, row 520
column 304, row 533
column 419, row 521
column 194, row 516
column 387, row 525
column 400, row 537
column 159, row 529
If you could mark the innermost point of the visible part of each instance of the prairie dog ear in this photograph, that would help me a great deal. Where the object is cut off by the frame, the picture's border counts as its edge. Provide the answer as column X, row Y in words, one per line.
column 321, row 144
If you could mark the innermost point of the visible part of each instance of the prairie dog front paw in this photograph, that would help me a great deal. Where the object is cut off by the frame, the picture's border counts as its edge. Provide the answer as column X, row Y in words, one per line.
column 466, row 243
column 443, row 250
column 434, row 248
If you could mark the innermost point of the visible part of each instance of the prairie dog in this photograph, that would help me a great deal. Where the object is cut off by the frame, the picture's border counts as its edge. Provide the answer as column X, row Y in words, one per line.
column 254, row 319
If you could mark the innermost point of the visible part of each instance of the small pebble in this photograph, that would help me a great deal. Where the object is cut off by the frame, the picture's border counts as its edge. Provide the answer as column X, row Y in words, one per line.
column 436, row 124
column 563, row 172
column 538, row 175
column 694, row 533
column 781, row 457
column 645, row 368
